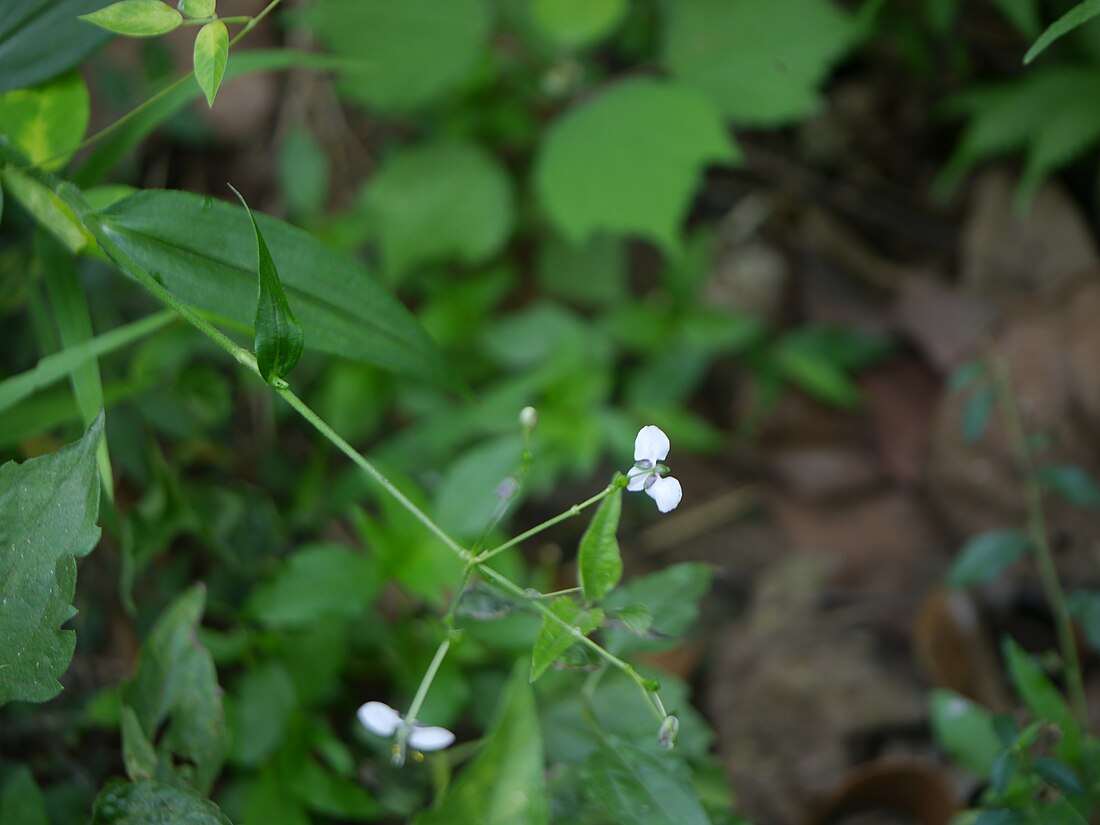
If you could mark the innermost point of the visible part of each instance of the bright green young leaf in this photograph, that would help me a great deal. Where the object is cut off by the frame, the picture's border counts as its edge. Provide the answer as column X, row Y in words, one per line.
column 985, row 556
column 202, row 250
column 1042, row 697
column 642, row 787
column 138, row 753
column 211, row 52
column 197, row 9
column 136, row 18
column 409, row 52
column 553, row 639
column 318, row 581
column 573, row 24
column 965, row 730
column 436, row 201
column 505, row 783
column 672, row 596
column 1073, row 483
column 152, row 803
column 47, row 122
column 21, row 801
column 629, row 160
column 761, row 63
column 1078, row 15
column 175, row 693
column 40, row 39
column 279, row 337
column 48, row 511
column 46, row 208
column 264, row 701
column 599, row 563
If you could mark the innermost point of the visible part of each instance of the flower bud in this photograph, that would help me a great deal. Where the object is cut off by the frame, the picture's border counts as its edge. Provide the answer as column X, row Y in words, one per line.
column 666, row 736
column 528, row 418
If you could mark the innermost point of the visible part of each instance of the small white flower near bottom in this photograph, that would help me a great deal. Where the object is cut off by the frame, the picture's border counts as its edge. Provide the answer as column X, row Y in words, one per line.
column 382, row 720
column 650, row 449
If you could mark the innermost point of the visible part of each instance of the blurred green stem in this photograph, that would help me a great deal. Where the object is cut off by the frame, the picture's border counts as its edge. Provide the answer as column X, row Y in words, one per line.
column 1037, row 532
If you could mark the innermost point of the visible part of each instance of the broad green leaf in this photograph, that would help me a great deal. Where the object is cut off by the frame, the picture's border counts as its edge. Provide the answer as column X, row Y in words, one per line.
column 46, row 208
column 279, row 338
column 817, row 376
column 553, row 639
column 303, row 173
column 203, row 251
column 761, row 62
column 641, row 787
column 318, row 581
column 138, row 753
column 987, row 555
column 573, row 24
column 329, row 794
column 47, row 122
column 211, row 53
column 74, row 323
column 175, row 693
column 437, row 201
column 48, row 510
column 1078, row 15
column 409, row 53
column 264, row 701
column 672, row 596
column 197, row 9
column 136, row 18
column 468, row 495
column 40, row 39
column 629, row 160
column 20, row 799
column 1042, row 697
column 1073, row 483
column 270, row 800
column 1058, row 774
column 57, row 366
column 965, row 730
column 599, row 563
column 153, row 803
column 505, row 784
column 591, row 275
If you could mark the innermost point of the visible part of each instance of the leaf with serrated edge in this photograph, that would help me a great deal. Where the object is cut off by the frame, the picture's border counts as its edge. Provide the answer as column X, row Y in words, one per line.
column 48, row 510
column 599, row 562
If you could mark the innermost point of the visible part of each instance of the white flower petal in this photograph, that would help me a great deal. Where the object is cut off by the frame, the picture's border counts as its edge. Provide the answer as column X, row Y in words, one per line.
column 667, row 492
column 379, row 718
column 428, row 738
column 651, row 443
column 637, row 482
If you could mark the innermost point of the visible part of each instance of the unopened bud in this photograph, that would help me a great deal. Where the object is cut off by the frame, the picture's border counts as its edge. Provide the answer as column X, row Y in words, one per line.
column 528, row 418
column 666, row 736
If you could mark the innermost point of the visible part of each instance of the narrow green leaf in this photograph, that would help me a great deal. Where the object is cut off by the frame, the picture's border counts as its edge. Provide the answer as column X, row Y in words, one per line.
column 815, row 375
column 1042, row 697
column 279, row 337
column 1059, row 774
column 136, row 18
column 138, row 753
column 21, row 801
column 1073, row 483
column 1085, row 607
column 986, row 555
column 1004, row 768
column 599, row 563
column 197, row 9
column 175, row 693
column 149, row 803
column 966, row 374
column 505, row 783
column 1078, row 15
column 965, row 730
column 48, row 510
column 211, row 53
column 977, row 412
column 47, row 122
column 553, row 639
column 642, row 787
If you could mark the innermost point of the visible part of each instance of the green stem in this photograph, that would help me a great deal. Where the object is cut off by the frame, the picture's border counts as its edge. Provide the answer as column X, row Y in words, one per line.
column 1037, row 532
column 418, row 700
column 202, row 21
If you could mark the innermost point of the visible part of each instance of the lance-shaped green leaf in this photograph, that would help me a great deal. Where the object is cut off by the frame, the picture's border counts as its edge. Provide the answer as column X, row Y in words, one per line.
column 136, row 18
column 144, row 803
column 986, row 555
column 175, row 694
column 279, row 337
column 505, row 784
column 138, row 753
column 1043, row 698
column 553, row 639
column 599, row 563
column 48, row 510
column 211, row 52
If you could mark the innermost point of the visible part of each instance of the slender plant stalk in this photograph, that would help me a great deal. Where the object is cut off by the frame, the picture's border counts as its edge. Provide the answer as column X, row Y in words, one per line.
column 1037, row 532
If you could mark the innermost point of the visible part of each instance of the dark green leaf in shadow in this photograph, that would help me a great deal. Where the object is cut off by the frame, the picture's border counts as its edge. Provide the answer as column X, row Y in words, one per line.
column 42, row 38
column 986, row 555
column 152, row 803
column 553, row 639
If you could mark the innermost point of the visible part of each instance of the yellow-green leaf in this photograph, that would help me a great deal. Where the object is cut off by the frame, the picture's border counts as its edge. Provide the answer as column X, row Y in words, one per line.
column 211, row 52
column 197, row 8
column 136, row 18
column 46, row 208
column 46, row 122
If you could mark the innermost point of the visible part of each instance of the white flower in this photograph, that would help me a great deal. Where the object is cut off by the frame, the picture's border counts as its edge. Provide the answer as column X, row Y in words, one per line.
column 382, row 720
column 650, row 449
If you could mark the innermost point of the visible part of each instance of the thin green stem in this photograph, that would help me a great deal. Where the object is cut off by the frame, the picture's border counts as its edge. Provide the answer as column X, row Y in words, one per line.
column 456, row 597
column 1037, row 532
column 555, row 593
column 418, row 700
column 538, row 528
column 202, row 21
